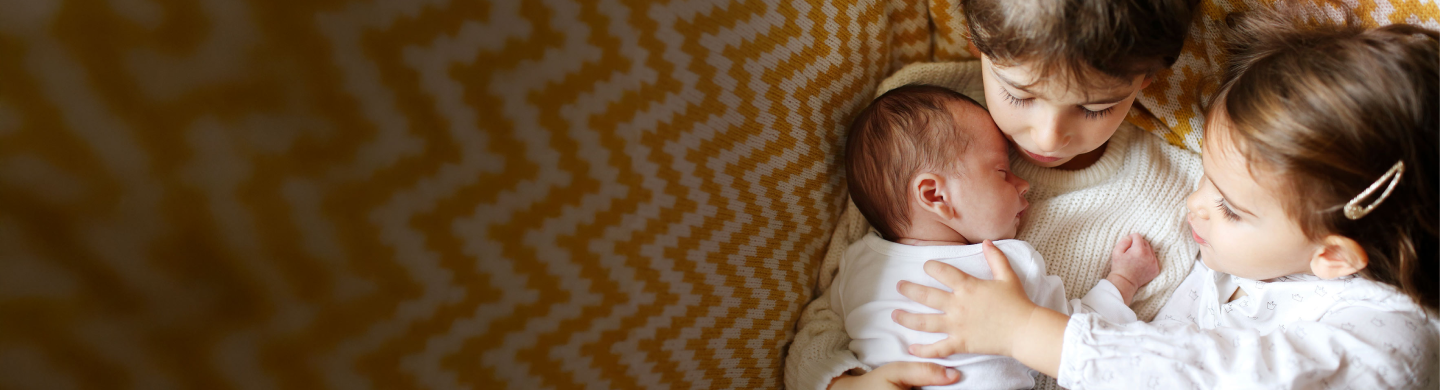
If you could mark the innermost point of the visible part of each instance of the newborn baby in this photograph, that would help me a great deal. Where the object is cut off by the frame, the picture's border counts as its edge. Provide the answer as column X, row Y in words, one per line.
column 930, row 171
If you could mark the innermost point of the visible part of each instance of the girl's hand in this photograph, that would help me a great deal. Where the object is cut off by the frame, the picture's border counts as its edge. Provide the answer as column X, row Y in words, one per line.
column 980, row 316
column 899, row 376
column 984, row 316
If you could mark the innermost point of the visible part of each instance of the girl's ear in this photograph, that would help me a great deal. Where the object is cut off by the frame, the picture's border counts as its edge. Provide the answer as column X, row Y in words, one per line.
column 1150, row 78
column 930, row 193
column 1338, row 256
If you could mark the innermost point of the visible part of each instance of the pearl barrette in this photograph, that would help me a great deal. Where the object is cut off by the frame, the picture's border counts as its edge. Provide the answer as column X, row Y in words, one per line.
column 1354, row 211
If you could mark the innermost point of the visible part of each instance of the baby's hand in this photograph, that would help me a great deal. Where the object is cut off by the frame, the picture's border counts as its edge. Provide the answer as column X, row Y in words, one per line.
column 1132, row 264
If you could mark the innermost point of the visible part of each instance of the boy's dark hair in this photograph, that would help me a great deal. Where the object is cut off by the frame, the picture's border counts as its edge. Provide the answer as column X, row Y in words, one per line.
column 1069, row 38
column 1329, row 109
column 901, row 133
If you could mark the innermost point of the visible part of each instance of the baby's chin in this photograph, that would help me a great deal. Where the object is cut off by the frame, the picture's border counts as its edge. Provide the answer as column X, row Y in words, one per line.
column 1010, row 235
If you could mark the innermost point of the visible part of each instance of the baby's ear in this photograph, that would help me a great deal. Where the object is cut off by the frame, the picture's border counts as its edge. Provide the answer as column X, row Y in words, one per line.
column 1338, row 256
column 929, row 191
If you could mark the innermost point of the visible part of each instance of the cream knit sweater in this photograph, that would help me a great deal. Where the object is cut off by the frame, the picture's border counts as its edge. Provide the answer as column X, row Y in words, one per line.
column 1074, row 220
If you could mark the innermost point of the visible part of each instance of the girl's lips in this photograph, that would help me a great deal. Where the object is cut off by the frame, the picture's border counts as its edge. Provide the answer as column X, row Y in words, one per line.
column 1197, row 237
column 1043, row 159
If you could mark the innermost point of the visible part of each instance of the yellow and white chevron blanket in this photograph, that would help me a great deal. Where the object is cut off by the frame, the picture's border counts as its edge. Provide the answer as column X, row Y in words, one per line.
column 380, row 194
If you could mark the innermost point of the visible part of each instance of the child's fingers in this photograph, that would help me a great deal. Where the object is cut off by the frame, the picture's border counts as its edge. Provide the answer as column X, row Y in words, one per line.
column 947, row 274
column 934, row 323
column 925, row 295
column 937, row 350
column 913, row 374
column 999, row 264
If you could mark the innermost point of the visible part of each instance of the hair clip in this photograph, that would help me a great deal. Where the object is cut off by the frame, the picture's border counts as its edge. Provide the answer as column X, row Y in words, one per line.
column 1353, row 209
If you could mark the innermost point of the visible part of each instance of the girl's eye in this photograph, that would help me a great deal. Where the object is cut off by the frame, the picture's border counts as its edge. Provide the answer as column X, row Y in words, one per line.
column 1096, row 114
column 1224, row 208
column 1014, row 101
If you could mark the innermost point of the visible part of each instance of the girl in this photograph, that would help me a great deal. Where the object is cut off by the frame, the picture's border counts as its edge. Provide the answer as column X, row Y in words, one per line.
column 1317, row 226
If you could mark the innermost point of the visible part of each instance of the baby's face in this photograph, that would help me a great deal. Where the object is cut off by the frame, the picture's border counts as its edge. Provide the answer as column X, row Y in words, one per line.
column 990, row 197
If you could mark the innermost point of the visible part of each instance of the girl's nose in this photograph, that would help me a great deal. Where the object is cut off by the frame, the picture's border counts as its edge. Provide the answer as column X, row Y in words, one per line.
column 1022, row 184
column 1196, row 205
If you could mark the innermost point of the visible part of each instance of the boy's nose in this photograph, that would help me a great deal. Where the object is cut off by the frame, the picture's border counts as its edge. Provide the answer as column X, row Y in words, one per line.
column 1048, row 137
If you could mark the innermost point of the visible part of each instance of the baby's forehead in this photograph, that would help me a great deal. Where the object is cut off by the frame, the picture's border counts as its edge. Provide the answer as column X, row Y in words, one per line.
column 982, row 137
column 968, row 108
column 971, row 117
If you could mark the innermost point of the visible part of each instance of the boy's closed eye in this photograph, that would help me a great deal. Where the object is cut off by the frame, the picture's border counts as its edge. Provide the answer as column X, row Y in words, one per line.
column 1092, row 114
column 1089, row 110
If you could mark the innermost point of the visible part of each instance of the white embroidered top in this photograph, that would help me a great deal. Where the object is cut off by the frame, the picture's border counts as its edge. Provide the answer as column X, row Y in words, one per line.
column 1297, row 331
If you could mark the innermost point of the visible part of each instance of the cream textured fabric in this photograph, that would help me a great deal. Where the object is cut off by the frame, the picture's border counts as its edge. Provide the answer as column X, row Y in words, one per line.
column 1139, row 186
column 1074, row 220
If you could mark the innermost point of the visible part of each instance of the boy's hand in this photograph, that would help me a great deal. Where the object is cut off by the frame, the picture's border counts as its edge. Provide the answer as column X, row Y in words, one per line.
column 898, row 376
column 979, row 316
column 1132, row 264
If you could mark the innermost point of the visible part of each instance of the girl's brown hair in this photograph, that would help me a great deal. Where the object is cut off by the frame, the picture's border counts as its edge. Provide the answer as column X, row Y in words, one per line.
column 1329, row 108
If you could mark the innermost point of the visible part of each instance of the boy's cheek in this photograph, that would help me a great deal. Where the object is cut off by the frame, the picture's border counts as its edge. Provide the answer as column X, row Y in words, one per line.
column 1012, row 137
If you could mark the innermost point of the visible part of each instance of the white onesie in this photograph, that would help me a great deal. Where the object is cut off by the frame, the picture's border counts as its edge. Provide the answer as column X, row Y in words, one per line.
column 864, row 294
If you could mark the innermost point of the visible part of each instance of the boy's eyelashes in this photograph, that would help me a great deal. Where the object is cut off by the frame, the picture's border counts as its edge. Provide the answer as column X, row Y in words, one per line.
column 1017, row 102
column 1089, row 114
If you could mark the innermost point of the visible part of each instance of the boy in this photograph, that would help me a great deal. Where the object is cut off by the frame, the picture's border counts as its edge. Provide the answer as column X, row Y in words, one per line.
column 929, row 170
